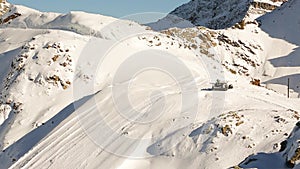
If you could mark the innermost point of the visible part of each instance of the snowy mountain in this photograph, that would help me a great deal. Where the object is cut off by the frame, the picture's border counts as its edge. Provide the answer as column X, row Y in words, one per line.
column 78, row 22
column 247, row 48
column 217, row 14
column 84, row 90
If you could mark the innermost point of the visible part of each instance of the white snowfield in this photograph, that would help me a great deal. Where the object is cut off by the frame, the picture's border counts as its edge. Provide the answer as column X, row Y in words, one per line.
column 88, row 91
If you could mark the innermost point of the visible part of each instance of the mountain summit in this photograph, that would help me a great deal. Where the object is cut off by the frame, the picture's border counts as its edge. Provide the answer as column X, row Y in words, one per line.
column 215, row 14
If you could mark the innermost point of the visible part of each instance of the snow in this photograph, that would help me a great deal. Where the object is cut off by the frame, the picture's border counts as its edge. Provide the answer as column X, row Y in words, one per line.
column 285, row 62
column 75, row 21
column 215, row 14
column 170, row 21
column 124, row 96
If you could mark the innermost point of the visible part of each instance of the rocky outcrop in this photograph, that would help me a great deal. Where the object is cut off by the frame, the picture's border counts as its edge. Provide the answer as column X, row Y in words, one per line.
column 9, row 18
column 4, row 7
column 263, row 5
column 291, row 147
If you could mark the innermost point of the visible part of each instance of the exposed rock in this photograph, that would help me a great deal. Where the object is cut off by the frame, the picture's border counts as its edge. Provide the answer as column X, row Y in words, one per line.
column 226, row 130
column 9, row 18
column 263, row 5
column 255, row 82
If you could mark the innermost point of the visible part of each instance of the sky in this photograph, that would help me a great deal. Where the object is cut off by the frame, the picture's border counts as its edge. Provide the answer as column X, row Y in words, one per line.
column 115, row 8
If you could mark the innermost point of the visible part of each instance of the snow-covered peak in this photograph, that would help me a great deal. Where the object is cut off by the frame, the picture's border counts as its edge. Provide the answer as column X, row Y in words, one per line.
column 215, row 14
column 78, row 22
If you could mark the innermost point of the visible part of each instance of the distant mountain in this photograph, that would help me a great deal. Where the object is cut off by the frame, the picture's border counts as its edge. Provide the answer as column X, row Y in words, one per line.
column 78, row 22
column 215, row 14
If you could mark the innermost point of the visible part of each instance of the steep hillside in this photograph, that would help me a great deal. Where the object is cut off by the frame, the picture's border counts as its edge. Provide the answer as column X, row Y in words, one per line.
column 217, row 14
column 234, row 50
column 83, row 90
column 288, row 155
column 283, row 60
column 255, row 48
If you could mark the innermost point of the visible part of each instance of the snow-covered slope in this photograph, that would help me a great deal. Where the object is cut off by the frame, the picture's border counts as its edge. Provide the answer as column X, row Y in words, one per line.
column 78, row 22
column 39, row 71
column 283, row 60
column 286, row 157
column 76, row 94
column 255, row 48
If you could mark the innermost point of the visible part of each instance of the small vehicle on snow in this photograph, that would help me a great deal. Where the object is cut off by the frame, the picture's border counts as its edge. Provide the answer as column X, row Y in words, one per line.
column 221, row 86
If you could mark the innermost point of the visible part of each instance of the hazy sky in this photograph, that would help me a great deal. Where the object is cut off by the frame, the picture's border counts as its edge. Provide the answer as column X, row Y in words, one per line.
column 115, row 8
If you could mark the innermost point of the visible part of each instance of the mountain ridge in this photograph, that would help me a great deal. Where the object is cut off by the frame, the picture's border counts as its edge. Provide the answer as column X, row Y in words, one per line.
column 215, row 14
column 61, row 91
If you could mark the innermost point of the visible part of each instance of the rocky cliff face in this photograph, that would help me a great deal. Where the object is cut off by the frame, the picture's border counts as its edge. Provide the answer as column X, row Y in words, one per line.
column 217, row 14
column 213, row 14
